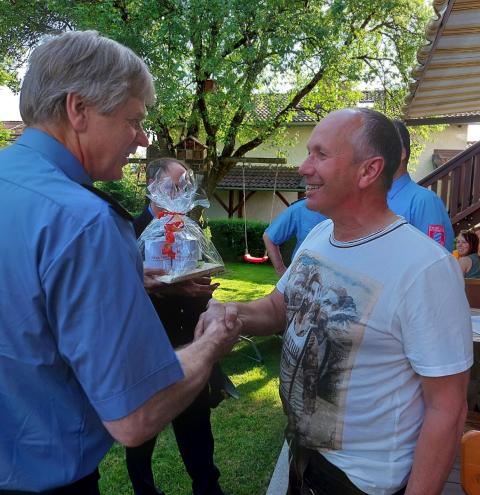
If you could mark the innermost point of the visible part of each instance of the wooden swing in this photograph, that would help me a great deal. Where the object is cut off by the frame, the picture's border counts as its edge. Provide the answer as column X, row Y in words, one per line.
column 247, row 257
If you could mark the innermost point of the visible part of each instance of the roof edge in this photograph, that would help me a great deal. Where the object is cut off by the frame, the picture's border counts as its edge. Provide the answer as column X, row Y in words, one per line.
column 442, row 9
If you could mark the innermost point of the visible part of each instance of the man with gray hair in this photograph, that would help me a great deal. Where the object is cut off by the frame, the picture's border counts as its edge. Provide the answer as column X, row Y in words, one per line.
column 375, row 357
column 83, row 355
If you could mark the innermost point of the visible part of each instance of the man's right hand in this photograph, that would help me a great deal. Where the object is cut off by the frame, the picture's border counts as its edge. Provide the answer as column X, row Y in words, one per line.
column 221, row 324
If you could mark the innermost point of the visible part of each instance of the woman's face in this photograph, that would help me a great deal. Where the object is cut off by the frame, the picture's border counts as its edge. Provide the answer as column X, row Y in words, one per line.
column 463, row 247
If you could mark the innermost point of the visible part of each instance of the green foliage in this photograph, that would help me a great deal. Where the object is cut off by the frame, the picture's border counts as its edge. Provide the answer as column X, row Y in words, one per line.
column 4, row 135
column 228, row 236
column 316, row 53
column 420, row 136
column 245, row 282
column 129, row 191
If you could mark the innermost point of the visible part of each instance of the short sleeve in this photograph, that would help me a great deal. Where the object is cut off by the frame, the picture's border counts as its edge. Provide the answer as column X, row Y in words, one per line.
column 435, row 322
column 429, row 215
column 105, row 325
column 282, row 228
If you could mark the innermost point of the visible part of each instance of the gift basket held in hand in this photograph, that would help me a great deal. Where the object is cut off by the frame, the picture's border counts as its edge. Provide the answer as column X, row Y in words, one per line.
column 172, row 241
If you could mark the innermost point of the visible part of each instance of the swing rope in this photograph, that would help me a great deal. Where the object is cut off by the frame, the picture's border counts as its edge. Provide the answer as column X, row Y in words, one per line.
column 244, row 211
column 247, row 257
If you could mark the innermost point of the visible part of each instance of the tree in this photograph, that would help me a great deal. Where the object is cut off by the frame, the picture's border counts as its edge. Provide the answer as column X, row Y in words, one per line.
column 321, row 49
column 4, row 136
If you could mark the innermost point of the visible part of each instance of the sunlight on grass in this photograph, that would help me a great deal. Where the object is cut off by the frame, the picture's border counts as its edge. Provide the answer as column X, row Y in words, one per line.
column 244, row 282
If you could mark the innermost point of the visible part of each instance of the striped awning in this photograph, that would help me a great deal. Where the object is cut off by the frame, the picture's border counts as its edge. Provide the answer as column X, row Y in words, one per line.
column 447, row 79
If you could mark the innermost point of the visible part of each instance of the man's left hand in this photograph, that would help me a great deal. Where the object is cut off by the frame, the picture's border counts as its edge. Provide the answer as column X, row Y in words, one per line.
column 150, row 280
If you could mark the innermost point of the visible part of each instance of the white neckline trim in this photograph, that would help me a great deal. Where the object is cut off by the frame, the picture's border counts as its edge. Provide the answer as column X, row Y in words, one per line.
column 370, row 237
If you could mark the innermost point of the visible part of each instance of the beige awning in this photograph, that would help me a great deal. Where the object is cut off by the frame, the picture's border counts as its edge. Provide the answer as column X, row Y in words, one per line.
column 447, row 79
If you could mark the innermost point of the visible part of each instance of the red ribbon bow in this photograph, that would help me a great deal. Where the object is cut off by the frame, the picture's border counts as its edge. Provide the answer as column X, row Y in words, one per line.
column 170, row 228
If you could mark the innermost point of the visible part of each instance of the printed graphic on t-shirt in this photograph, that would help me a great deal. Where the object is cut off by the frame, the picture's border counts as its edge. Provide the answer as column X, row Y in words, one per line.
column 327, row 308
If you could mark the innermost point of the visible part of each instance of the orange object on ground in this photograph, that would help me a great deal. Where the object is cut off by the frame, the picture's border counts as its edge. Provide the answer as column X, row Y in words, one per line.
column 470, row 462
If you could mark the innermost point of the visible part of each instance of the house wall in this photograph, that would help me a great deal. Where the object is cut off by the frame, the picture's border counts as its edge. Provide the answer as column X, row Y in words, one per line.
column 9, row 105
column 259, row 206
column 453, row 137
column 293, row 147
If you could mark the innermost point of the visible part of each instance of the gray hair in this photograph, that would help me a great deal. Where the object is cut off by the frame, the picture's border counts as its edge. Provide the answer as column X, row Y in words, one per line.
column 378, row 136
column 102, row 71
column 161, row 164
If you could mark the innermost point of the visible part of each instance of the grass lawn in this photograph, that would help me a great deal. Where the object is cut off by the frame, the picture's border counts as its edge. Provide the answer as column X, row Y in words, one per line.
column 248, row 432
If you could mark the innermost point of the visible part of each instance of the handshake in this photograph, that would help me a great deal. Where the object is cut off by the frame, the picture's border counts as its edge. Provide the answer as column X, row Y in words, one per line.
column 221, row 325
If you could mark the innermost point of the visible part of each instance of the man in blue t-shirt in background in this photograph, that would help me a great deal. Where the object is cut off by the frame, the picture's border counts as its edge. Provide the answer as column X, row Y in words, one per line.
column 421, row 207
column 296, row 220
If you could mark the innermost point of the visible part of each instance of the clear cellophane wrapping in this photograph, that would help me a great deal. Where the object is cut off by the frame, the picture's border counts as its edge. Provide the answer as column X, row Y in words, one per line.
column 172, row 241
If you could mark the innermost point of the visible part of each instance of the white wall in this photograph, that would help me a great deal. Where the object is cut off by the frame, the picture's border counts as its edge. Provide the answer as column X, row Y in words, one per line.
column 9, row 105
column 293, row 147
column 453, row 137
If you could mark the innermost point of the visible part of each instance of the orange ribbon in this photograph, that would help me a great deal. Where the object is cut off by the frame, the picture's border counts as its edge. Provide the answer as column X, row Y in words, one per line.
column 170, row 228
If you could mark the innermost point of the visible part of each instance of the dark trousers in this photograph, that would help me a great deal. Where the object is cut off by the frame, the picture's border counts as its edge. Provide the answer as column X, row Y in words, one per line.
column 194, row 437
column 311, row 474
column 85, row 486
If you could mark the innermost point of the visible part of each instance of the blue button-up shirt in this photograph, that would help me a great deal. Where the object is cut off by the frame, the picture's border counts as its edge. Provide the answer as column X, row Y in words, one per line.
column 422, row 208
column 296, row 220
column 79, row 339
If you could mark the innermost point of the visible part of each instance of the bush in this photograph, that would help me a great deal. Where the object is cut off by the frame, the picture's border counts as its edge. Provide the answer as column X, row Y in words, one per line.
column 5, row 135
column 129, row 191
column 229, row 238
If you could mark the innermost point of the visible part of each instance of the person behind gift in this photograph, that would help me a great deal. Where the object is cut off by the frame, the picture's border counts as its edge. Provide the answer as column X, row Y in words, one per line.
column 467, row 247
column 179, row 307
column 84, row 359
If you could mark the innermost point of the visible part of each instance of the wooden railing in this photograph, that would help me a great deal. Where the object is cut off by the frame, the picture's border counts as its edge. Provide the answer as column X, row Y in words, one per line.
column 457, row 182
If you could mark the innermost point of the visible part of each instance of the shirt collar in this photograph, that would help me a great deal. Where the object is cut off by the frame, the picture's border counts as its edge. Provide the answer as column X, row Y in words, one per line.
column 398, row 184
column 56, row 153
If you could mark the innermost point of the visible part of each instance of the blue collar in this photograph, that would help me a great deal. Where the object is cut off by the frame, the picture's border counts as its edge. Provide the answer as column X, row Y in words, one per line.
column 56, row 153
column 398, row 184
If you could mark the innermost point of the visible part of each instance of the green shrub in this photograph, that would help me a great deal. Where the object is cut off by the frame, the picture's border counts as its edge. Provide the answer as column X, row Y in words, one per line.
column 5, row 135
column 229, row 238
column 129, row 191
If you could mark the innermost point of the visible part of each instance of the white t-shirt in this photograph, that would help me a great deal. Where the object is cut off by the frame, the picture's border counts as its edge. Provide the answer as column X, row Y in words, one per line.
column 364, row 320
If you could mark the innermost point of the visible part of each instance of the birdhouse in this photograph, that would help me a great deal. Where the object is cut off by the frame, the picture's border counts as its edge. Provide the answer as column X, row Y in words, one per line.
column 191, row 150
column 210, row 85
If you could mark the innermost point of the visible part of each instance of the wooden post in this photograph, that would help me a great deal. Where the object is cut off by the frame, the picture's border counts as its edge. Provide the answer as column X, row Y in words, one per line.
column 230, row 203
column 241, row 202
